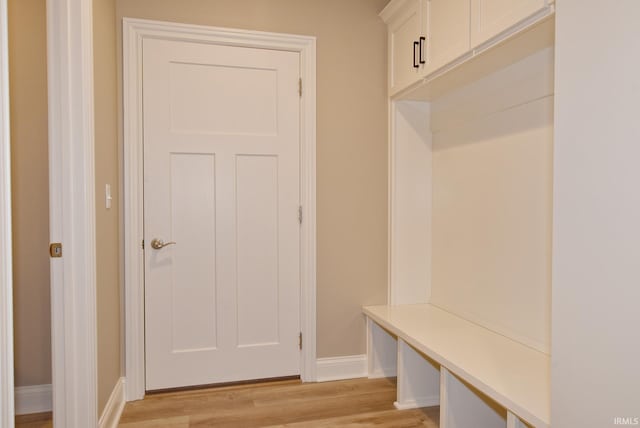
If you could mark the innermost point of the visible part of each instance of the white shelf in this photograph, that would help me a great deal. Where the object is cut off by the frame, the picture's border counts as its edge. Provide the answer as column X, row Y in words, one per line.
column 514, row 375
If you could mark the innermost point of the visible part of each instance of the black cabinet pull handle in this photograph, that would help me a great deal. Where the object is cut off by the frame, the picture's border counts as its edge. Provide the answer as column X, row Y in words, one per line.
column 415, row 45
column 421, row 49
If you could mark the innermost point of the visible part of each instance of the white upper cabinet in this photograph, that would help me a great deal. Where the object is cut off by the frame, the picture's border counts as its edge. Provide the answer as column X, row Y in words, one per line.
column 490, row 17
column 448, row 31
column 426, row 35
column 404, row 20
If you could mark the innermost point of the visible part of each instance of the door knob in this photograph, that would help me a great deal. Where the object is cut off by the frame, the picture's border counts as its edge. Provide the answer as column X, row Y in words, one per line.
column 158, row 244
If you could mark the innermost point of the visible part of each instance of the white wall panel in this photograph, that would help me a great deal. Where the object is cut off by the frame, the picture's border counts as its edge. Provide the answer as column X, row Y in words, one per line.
column 595, row 374
column 492, row 201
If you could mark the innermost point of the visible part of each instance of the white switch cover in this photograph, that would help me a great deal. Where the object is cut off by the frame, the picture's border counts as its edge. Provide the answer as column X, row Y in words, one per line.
column 107, row 196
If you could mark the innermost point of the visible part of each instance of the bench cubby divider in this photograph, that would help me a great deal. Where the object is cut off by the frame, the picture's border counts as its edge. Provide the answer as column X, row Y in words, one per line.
column 479, row 378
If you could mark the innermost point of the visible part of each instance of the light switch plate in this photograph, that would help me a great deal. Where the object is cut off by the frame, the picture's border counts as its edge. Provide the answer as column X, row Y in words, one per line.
column 107, row 196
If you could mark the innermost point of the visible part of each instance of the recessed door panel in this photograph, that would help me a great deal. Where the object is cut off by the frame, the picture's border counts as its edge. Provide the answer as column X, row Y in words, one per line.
column 193, row 281
column 257, row 260
column 448, row 29
column 201, row 95
column 404, row 30
column 490, row 17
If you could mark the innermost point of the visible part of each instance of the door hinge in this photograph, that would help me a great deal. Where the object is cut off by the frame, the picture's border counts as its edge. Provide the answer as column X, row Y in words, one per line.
column 300, row 341
column 300, row 86
column 300, row 214
column 55, row 250
column 143, row 244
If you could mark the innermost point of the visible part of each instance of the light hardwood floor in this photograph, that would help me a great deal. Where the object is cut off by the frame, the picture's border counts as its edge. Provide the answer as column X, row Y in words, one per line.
column 36, row 420
column 350, row 403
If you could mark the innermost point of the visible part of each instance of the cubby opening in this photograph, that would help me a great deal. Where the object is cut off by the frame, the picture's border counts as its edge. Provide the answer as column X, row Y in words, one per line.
column 466, row 407
column 472, row 191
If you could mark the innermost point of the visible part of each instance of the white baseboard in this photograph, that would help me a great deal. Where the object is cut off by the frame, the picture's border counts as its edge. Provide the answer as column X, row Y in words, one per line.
column 113, row 410
column 33, row 399
column 417, row 403
column 383, row 372
column 339, row 368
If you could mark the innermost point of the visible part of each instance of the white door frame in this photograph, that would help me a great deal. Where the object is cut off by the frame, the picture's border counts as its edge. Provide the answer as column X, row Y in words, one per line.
column 6, row 276
column 72, row 212
column 134, row 32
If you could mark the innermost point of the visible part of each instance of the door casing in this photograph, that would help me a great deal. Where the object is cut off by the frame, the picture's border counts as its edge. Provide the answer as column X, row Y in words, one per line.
column 6, row 276
column 134, row 32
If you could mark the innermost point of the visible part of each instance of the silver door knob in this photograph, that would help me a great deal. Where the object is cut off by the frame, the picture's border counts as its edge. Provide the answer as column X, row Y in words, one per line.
column 158, row 244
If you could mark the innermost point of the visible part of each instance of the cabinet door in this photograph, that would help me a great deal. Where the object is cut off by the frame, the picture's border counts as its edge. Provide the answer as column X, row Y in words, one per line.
column 490, row 17
column 404, row 30
column 448, row 31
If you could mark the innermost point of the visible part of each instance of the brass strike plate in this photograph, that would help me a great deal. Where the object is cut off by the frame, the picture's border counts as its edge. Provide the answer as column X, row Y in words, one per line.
column 55, row 249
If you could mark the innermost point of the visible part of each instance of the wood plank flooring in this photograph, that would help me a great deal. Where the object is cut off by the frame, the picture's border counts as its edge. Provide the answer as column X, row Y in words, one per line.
column 350, row 403
column 35, row 420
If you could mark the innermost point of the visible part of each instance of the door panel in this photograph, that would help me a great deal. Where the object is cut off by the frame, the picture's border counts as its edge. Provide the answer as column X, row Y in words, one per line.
column 200, row 95
column 257, row 263
column 448, row 29
column 490, row 17
column 193, row 276
column 403, row 31
column 221, row 153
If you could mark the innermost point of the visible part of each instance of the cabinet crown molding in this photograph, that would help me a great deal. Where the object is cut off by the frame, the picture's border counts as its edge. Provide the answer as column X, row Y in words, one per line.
column 391, row 9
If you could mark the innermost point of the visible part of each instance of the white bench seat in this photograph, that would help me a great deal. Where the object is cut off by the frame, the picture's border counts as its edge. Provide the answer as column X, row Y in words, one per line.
column 513, row 375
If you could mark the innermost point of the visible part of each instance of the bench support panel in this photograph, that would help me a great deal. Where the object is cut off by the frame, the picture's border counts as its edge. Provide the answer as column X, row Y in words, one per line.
column 381, row 352
column 515, row 422
column 418, row 379
column 463, row 406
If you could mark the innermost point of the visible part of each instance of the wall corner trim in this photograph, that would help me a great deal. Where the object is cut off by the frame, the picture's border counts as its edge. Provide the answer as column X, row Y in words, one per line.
column 340, row 368
column 33, row 399
column 114, row 407
column 6, row 276
column 72, row 212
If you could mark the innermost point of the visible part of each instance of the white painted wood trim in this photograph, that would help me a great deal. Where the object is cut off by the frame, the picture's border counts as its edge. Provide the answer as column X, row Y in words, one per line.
column 513, row 421
column 72, row 212
column 340, row 368
column 33, row 399
column 412, row 366
column 381, row 352
column 391, row 108
column 113, row 410
column 6, row 273
column 444, row 397
column 418, row 403
column 391, row 9
column 134, row 32
column 409, row 131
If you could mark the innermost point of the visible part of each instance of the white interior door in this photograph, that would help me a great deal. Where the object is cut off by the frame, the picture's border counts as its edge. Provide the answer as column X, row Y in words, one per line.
column 221, row 180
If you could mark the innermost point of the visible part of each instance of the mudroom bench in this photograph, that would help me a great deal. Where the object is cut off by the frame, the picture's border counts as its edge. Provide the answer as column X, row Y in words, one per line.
column 479, row 378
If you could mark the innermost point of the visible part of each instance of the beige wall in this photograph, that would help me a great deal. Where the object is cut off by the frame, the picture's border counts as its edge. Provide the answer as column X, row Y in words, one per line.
column 351, row 145
column 30, row 187
column 107, row 221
